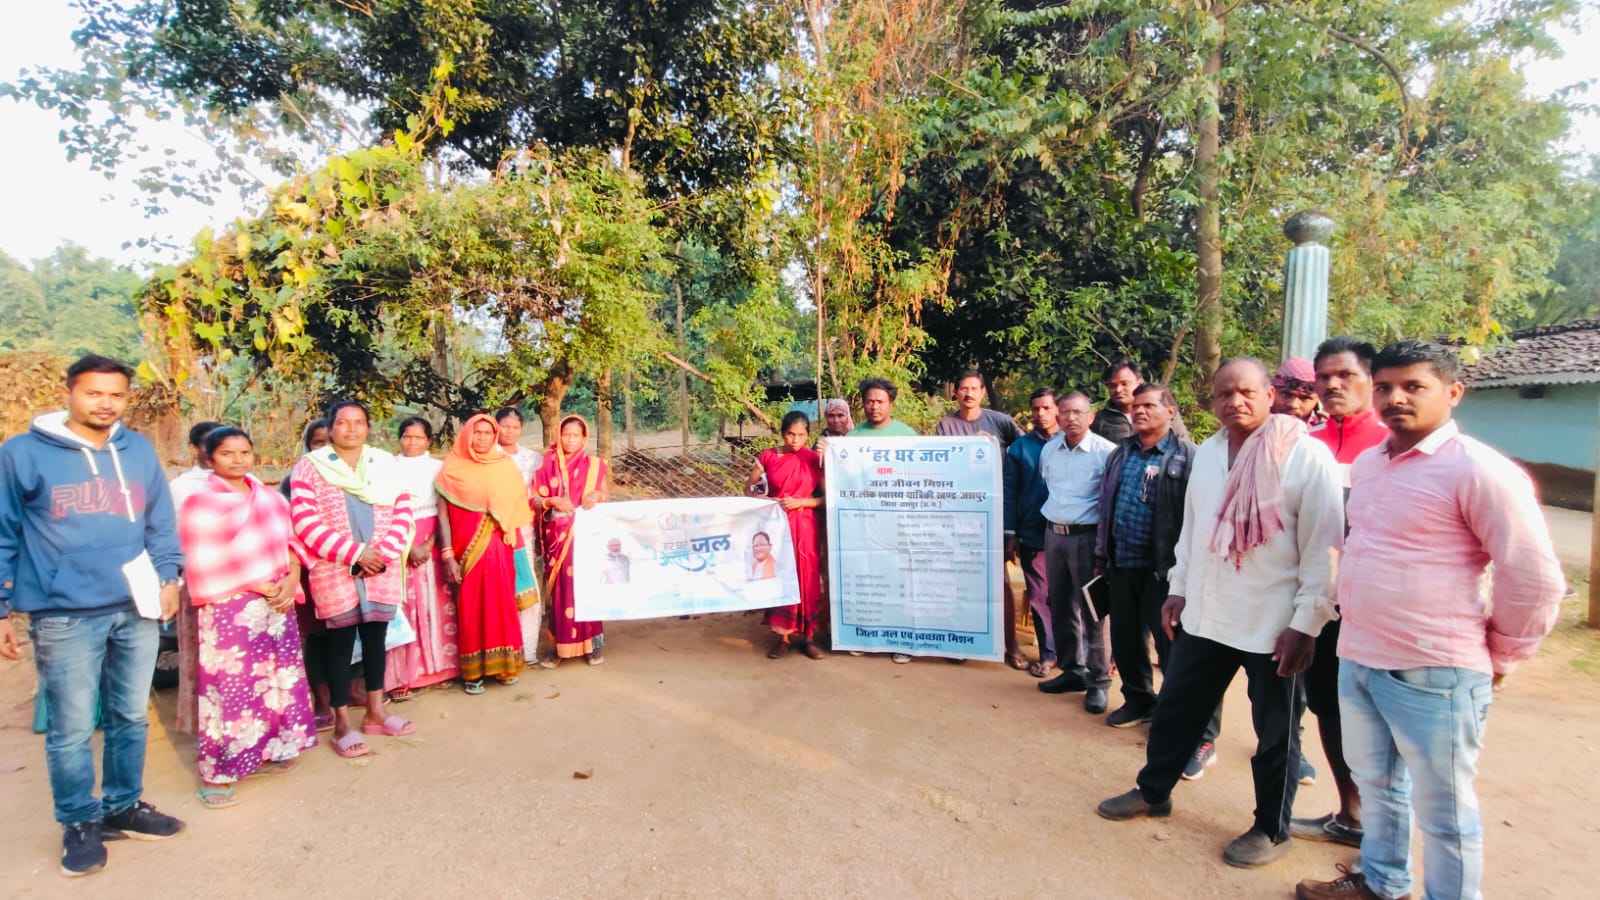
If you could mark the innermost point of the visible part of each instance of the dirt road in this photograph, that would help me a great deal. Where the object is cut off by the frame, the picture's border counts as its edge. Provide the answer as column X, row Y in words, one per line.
column 716, row 772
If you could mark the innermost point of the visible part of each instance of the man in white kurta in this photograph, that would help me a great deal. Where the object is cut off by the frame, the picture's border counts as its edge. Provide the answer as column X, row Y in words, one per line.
column 1252, row 587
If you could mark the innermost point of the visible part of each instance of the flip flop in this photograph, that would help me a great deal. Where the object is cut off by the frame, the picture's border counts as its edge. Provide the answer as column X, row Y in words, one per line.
column 1039, row 669
column 346, row 745
column 473, row 688
column 549, row 662
column 394, row 726
column 216, row 798
column 323, row 722
column 1017, row 661
column 282, row 767
column 401, row 695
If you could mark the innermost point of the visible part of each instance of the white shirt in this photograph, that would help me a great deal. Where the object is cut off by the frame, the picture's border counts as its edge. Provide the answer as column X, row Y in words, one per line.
column 417, row 473
column 187, row 485
column 528, row 461
column 1287, row 582
column 1072, row 474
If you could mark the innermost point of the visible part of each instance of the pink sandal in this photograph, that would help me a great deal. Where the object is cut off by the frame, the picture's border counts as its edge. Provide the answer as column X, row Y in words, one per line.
column 394, row 726
column 348, row 745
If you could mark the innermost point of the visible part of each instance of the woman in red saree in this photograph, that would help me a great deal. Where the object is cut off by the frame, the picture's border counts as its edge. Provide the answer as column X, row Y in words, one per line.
column 485, row 507
column 793, row 473
column 568, row 478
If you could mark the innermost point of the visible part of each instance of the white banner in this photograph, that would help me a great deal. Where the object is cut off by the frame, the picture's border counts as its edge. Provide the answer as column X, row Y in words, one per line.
column 645, row 559
column 914, row 545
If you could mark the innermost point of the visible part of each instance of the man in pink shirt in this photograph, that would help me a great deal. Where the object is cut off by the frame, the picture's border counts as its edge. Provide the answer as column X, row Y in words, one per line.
column 1343, row 373
column 1420, row 650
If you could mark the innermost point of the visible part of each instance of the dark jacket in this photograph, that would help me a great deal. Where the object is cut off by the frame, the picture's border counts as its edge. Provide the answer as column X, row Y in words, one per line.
column 1025, row 491
column 1113, row 424
column 1176, row 464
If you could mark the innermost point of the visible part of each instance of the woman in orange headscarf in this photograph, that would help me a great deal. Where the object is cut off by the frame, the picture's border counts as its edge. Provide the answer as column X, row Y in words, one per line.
column 568, row 478
column 485, row 504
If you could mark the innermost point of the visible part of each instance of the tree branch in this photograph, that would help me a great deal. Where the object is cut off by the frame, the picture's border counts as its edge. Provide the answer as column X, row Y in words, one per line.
column 1394, row 72
column 754, row 410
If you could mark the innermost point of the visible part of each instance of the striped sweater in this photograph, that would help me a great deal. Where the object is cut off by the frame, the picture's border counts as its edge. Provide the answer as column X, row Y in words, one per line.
column 322, row 524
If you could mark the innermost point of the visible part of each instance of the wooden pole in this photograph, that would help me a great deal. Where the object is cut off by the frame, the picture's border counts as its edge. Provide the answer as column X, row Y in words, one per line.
column 1594, row 547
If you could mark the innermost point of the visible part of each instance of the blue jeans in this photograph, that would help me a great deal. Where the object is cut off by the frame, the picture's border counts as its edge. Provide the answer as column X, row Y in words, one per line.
column 88, row 663
column 1412, row 739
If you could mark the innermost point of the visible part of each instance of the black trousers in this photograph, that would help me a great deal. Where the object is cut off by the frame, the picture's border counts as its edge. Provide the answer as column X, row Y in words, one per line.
column 1322, row 679
column 1198, row 676
column 1137, row 595
column 1080, row 638
column 339, row 644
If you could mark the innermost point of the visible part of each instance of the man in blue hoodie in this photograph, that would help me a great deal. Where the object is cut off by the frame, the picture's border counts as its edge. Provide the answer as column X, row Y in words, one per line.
column 86, row 522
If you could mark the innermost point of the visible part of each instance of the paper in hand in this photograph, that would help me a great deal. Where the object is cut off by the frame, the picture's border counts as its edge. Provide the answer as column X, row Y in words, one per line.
column 144, row 584
column 1095, row 593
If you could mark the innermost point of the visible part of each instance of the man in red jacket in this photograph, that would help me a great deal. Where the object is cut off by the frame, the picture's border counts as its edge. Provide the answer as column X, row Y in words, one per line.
column 1344, row 385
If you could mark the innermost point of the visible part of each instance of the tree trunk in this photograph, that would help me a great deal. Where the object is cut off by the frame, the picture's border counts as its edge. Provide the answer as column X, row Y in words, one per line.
column 627, row 407
column 602, row 419
column 683, row 352
column 1208, row 299
column 554, row 391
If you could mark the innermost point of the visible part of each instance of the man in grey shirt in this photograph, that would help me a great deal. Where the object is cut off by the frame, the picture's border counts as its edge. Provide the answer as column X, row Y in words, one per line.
column 972, row 417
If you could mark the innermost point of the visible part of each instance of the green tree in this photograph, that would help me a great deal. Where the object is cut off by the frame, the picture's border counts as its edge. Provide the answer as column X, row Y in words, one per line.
column 359, row 272
column 1086, row 164
column 69, row 304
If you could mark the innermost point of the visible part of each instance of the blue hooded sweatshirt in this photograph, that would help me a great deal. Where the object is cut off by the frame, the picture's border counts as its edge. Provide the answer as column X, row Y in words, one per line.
column 71, row 516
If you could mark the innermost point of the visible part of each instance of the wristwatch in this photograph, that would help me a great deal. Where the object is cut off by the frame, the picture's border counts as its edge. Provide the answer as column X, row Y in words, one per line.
column 172, row 582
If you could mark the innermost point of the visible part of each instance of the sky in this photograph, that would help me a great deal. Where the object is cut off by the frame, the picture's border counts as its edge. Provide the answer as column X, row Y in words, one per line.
column 49, row 200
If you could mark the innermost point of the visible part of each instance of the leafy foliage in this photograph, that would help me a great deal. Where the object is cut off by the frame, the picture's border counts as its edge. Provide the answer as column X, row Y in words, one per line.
column 362, row 270
column 69, row 304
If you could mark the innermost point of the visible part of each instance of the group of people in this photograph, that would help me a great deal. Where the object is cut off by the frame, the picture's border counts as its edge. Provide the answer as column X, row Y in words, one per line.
column 1334, row 550
column 364, row 577
column 1332, row 540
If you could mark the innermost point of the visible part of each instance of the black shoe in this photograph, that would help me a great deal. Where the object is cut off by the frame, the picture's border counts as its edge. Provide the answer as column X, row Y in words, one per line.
column 1204, row 755
column 1132, row 806
column 1065, row 683
column 1326, row 828
column 82, row 850
column 1252, row 849
column 1095, row 701
column 142, row 823
column 1127, row 716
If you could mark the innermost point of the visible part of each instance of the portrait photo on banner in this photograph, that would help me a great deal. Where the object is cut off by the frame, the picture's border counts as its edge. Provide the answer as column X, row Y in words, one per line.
column 646, row 559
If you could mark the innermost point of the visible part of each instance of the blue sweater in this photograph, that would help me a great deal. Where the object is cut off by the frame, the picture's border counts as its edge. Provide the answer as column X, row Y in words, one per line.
column 1025, row 491
column 71, row 516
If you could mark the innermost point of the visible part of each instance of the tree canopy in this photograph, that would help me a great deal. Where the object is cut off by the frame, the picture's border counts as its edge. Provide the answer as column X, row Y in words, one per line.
column 549, row 189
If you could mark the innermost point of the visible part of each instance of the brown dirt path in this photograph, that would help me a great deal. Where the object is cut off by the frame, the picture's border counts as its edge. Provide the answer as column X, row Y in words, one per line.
column 716, row 772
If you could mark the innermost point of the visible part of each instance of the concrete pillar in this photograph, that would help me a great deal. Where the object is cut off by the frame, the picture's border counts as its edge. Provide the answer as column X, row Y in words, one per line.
column 1305, row 283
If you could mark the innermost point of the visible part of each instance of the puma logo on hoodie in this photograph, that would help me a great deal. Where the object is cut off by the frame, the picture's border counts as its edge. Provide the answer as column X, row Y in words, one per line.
column 72, row 515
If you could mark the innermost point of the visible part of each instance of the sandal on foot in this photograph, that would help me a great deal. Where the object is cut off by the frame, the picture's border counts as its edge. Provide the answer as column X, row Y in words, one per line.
column 506, row 679
column 474, row 687
column 394, row 726
column 596, row 658
column 323, row 722
column 812, row 651
column 780, row 649
column 282, row 767
column 351, row 746
column 401, row 695
column 216, row 797
column 1039, row 669
column 1017, row 661
column 549, row 662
